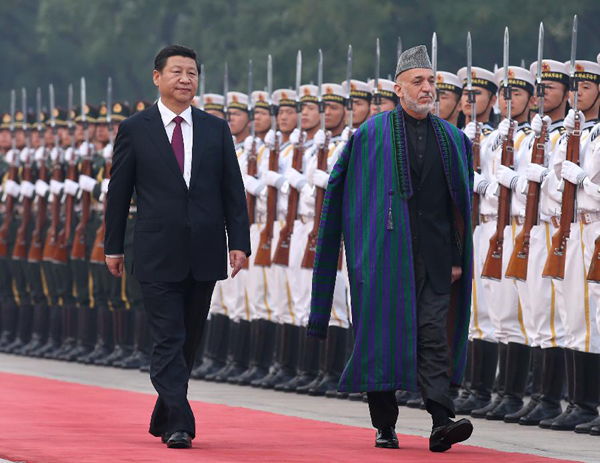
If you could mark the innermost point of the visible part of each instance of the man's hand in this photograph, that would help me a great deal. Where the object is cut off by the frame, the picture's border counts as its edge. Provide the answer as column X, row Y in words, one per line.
column 115, row 266
column 236, row 261
column 456, row 274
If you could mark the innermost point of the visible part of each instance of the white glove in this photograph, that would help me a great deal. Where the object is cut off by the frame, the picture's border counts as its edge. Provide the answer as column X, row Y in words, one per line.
column 319, row 139
column 536, row 172
column 83, row 150
column 296, row 179
column 504, row 127
column 56, row 187
column 271, row 138
column 54, row 154
column 12, row 188
column 346, row 134
column 71, row 187
column 69, row 154
column 506, row 177
column 273, row 178
column 104, row 186
column 571, row 172
column 480, row 183
column 537, row 122
column 248, row 143
column 40, row 154
column 253, row 185
column 41, row 188
column 24, row 155
column 11, row 156
column 87, row 183
column 470, row 129
column 569, row 122
column 107, row 151
column 320, row 178
column 27, row 189
column 295, row 136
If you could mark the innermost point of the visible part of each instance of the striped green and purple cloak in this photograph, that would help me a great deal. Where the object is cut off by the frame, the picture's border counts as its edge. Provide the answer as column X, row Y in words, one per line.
column 367, row 202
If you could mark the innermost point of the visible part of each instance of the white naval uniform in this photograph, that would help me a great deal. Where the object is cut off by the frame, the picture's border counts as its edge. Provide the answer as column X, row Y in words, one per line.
column 505, row 307
column 577, row 309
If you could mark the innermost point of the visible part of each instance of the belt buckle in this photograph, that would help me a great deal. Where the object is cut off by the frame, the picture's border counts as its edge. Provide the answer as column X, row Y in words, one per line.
column 587, row 218
column 555, row 221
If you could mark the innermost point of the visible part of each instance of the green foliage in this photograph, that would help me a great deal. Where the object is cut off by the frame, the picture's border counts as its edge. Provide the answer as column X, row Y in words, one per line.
column 43, row 41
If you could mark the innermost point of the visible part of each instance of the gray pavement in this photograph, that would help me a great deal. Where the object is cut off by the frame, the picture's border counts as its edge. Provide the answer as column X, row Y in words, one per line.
column 489, row 434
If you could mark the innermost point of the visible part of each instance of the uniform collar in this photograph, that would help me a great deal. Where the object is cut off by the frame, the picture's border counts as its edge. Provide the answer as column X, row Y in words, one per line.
column 167, row 115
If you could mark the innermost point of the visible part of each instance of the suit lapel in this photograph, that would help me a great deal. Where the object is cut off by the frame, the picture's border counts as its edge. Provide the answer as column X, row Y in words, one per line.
column 158, row 135
column 199, row 143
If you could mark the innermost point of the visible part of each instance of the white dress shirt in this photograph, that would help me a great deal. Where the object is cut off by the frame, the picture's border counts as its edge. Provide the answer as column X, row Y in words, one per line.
column 187, row 130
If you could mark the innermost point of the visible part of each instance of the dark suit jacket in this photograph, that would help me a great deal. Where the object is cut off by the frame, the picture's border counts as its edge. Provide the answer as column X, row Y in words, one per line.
column 432, row 218
column 178, row 230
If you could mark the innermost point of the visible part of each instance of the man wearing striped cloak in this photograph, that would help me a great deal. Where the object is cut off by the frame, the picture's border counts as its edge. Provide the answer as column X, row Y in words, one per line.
column 400, row 194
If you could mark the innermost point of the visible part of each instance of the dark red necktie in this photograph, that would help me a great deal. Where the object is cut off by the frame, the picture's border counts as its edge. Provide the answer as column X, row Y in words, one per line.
column 177, row 142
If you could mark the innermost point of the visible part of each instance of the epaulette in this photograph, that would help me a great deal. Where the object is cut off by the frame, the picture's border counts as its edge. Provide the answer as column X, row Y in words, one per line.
column 562, row 129
column 526, row 130
column 486, row 131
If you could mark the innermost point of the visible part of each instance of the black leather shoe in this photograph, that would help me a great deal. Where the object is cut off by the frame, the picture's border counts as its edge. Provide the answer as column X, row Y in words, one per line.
column 595, row 430
column 179, row 440
column 481, row 412
column 542, row 411
column 507, row 406
column 165, row 437
column 473, row 402
column 578, row 415
column 443, row 437
column 547, row 423
column 524, row 411
column 585, row 428
column 416, row 403
column 386, row 439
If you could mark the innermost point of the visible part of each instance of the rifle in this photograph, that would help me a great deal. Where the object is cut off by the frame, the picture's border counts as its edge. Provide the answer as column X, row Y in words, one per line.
column 36, row 247
column 476, row 147
column 376, row 94
column 50, row 245
column 20, row 248
column 263, row 255
column 308, row 261
column 13, row 172
column 252, row 168
column 97, row 254
column 434, row 50
column 555, row 263
column 492, row 267
column 519, row 260
column 282, row 252
column 78, row 248
column 61, row 253
column 594, row 271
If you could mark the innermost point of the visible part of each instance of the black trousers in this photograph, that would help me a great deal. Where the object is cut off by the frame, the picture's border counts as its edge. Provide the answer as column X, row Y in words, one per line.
column 432, row 355
column 176, row 312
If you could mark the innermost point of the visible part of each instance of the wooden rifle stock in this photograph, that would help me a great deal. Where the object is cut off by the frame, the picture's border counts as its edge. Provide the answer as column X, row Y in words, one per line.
column 519, row 259
column 555, row 263
column 51, row 242
column 308, row 261
column 61, row 253
column 492, row 267
column 263, row 255
column 97, row 255
column 594, row 271
column 20, row 248
column 282, row 252
column 477, row 168
column 78, row 248
column 37, row 244
column 8, row 214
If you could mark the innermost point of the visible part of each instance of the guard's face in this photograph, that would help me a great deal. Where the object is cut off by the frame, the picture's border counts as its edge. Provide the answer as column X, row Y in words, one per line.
column 310, row 116
column 238, row 121
column 178, row 81
column 521, row 100
column 554, row 94
column 449, row 104
column 587, row 95
column 287, row 119
column 484, row 99
column 334, row 115
column 216, row 113
column 4, row 140
column 19, row 138
column 102, row 134
column 49, row 136
column 262, row 120
column 35, row 139
column 360, row 111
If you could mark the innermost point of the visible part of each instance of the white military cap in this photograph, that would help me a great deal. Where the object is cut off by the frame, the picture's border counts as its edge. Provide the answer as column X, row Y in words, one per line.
column 284, row 97
column 551, row 70
column 237, row 100
column 586, row 70
column 517, row 77
column 480, row 78
column 214, row 102
column 358, row 89
column 385, row 87
column 308, row 93
column 333, row 92
column 260, row 99
column 447, row 81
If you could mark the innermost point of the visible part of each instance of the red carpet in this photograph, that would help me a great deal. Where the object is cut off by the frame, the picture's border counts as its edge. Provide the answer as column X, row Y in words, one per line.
column 48, row 421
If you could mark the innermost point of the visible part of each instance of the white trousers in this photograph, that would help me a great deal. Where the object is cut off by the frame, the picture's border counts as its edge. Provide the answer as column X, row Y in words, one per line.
column 481, row 326
column 590, row 233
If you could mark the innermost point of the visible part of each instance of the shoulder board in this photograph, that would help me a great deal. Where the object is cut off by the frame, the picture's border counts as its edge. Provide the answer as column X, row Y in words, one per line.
column 486, row 130
column 526, row 129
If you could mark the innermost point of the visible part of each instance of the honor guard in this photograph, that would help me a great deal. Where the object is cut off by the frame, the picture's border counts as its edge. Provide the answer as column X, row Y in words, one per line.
column 449, row 88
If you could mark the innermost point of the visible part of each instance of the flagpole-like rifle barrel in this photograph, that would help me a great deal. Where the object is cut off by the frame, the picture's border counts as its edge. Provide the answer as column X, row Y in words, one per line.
column 539, row 85
column 376, row 94
column 225, row 90
column 434, row 53
column 348, row 88
column 250, row 103
column 573, row 80
column 320, row 89
column 272, row 109
column 298, row 83
column 507, row 90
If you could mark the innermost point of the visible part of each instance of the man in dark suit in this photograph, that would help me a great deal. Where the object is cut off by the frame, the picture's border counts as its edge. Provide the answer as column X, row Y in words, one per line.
column 191, row 209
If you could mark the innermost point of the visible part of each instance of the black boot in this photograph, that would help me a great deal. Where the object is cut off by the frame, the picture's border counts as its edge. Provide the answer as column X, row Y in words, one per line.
column 216, row 347
column 24, row 328
column 299, row 348
column 199, row 357
column 274, row 365
column 86, row 334
column 69, row 325
column 465, row 390
column 10, row 316
column 219, row 374
column 586, row 393
column 288, row 358
column 104, row 340
column 121, row 326
column 137, row 358
column 321, row 361
column 39, row 334
column 241, row 354
column 586, row 428
column 500, row 380
column 535, row 387
column 570, row 375
column 334, row 363
column 518, row 360
column 483, row 372
column 54, row 332
column 308, row 367
column 261, row 356
column 553, row 374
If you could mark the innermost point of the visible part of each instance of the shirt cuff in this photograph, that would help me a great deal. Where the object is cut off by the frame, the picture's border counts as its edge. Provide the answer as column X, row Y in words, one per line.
column 114, row 256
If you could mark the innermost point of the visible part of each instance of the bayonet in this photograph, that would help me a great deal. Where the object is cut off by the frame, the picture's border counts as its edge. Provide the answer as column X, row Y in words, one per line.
column 25, row 126
column 573, row 80
column 298, row 80
column 270, row 92
column 225, row 89
column 52, row 115
column 202, row 87
column 470, row 91
column 320, row 89
column 13, row 110
column 70, row 123
column 250, row 102
column 376, row 95
column 538, row 73
column 507, row 86
column 38, row 112
column 434, row 51
column 348, row 89
column 84, row 119
column 109, row 102
column 398, row 49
